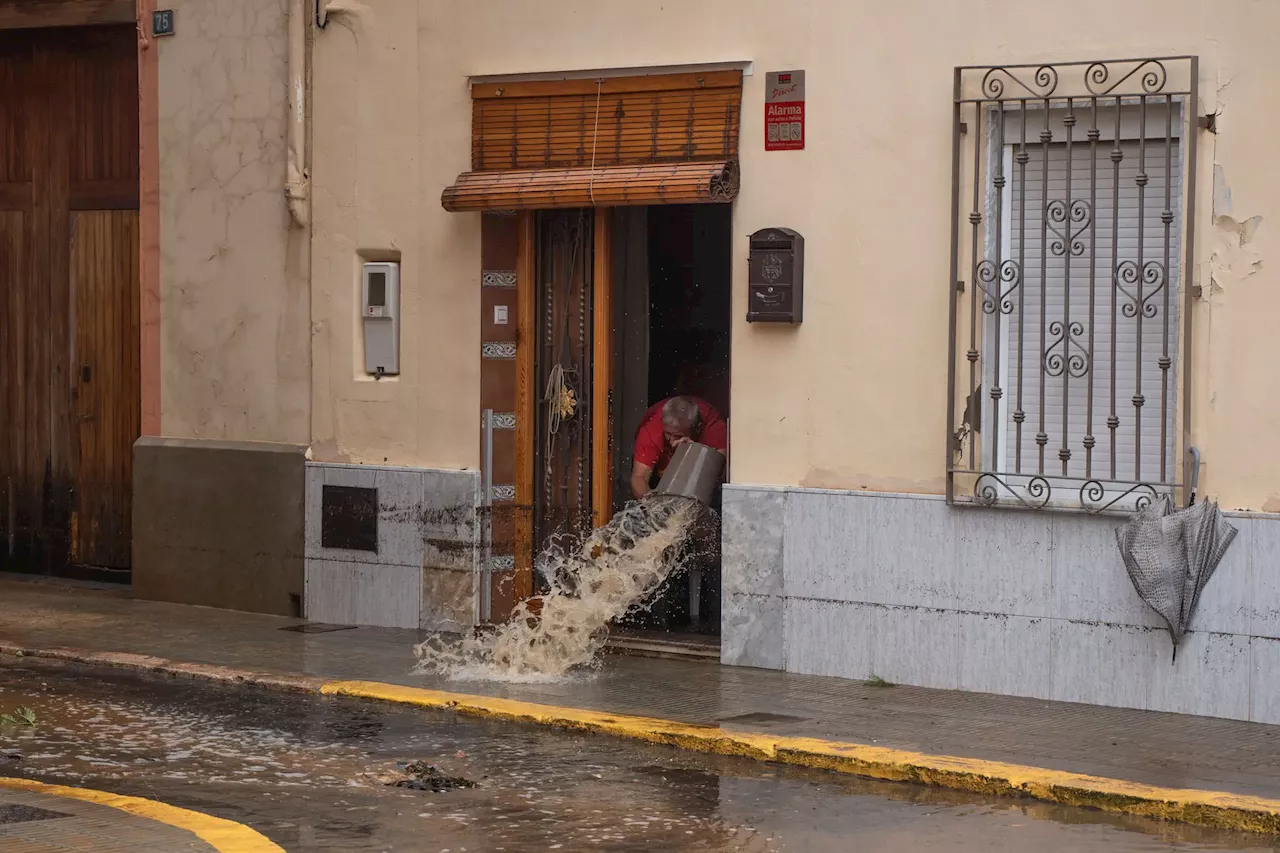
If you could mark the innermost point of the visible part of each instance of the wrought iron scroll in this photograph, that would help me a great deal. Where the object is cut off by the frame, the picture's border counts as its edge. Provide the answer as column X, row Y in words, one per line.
column 998, row 282
column 1084, row 326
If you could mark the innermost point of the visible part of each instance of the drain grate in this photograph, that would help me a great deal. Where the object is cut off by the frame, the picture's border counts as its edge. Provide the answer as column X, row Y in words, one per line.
column 762, row 717
column 14, row 813
column 316, row 628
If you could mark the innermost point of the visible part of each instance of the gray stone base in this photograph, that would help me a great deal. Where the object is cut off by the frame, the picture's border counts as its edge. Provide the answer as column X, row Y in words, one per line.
column 219, row 523
column 852, row 584
column 422, row 574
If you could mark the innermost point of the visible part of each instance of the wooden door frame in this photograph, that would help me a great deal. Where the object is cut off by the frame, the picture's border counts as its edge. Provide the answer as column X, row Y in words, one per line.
column 526, row 370
column 526, row 407
column 602, row 370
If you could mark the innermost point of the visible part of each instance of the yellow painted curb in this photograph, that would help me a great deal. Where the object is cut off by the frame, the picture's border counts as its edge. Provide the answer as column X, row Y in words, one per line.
column 223, row 835
column 1206, row 808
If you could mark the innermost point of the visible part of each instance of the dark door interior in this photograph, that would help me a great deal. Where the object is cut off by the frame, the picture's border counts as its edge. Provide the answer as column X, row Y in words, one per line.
column 672, row 323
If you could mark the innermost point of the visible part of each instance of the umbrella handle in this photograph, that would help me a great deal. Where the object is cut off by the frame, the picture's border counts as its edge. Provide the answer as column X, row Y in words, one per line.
column 1195, row 473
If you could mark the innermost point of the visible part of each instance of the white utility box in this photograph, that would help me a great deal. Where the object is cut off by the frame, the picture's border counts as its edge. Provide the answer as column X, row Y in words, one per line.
column 380, row 310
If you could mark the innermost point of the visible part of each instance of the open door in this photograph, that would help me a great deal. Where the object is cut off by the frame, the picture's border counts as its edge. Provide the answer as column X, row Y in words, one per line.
column 564, row 385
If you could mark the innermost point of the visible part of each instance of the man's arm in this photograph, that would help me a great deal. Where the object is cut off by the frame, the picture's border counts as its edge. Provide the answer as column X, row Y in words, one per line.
column 716, row 436
column 640, row 475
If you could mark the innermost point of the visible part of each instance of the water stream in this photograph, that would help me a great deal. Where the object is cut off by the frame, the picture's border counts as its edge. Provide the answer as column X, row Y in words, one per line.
column 592, row 582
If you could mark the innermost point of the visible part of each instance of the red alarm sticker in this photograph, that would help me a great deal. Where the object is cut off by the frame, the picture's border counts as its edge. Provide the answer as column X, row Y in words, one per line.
column 784, row 111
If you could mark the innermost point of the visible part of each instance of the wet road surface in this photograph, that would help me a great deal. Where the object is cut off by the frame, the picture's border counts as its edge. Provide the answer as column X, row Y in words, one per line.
column 312, row 774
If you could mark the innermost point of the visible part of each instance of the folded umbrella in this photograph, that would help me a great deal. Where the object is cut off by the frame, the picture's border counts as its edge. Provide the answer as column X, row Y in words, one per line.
column 1170, row 556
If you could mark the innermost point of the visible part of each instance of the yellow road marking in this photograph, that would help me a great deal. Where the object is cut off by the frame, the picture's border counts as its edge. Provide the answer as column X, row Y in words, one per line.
column 223, row 835
column 1206, row 808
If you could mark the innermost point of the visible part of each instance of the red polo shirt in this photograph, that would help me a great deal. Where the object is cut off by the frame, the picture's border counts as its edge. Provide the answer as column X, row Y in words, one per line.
column 652, row 449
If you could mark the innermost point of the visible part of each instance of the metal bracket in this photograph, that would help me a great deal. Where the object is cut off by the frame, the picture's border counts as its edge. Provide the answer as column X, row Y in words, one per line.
column 959, row 287
column 1209, row 123
column 964, row 127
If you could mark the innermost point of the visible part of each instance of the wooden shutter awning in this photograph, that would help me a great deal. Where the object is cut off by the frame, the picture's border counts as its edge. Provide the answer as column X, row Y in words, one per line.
column 561, row 124
column 646, row 139
column 614, row 186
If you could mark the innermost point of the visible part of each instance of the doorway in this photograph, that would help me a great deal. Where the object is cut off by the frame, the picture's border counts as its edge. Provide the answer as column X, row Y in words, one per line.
column 69, row 298
column 672, row 270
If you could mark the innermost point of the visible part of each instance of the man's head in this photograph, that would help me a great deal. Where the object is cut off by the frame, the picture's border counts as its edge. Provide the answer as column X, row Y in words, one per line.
column 680, row 419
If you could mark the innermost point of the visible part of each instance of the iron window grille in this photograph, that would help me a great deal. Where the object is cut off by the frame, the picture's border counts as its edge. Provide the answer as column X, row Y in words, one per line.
column 1073, row 213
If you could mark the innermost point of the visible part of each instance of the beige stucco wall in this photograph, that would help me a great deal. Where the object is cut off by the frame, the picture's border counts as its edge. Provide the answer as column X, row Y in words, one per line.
column 855, row 397
column 233, row 274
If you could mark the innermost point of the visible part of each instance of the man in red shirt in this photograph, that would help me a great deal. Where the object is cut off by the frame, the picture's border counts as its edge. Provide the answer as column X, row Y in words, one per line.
column 665, row 426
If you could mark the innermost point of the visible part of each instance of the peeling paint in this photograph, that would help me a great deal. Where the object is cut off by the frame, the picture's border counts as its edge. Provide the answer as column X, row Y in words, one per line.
column 328, row 450
column 1232, row 259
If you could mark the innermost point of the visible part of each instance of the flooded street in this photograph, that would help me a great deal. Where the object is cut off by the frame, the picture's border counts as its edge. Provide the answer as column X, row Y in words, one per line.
column 318, row 774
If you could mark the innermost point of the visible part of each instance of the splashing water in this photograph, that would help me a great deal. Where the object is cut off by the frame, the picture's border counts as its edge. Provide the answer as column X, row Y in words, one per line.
column 592, row 582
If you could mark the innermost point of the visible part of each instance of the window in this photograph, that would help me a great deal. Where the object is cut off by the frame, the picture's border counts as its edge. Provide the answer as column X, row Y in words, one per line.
column 1068, row 327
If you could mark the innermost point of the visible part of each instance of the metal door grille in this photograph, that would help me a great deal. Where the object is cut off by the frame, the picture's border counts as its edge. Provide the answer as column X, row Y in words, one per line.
column 1070, row 324
column 563, row 370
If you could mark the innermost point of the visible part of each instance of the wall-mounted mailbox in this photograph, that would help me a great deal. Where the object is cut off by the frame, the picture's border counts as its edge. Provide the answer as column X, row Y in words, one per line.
column 775, row 277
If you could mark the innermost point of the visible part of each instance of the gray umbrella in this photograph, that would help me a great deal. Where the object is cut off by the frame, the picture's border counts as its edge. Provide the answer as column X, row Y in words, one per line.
column 1171, row 554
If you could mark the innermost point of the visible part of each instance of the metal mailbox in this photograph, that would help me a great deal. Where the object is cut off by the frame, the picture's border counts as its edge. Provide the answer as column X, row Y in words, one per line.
column 775, row 276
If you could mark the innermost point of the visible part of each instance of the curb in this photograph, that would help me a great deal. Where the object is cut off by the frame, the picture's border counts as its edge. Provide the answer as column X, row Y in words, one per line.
column 1216, row 809
column 224, row 836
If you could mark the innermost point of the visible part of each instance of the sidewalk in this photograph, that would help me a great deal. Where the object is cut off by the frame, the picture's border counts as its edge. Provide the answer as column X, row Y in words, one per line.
column 39, row 818
column 1201, row 770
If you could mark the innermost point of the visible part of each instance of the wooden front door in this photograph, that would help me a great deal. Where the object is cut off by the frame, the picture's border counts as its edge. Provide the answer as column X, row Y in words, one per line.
column 563, row 374
column 69, row 365
column 564, row 385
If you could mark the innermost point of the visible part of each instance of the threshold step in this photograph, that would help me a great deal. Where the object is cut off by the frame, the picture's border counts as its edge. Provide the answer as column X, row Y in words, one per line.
column 658, row 644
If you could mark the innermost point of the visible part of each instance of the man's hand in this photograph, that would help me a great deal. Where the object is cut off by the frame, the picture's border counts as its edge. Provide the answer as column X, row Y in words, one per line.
column 640, row 475
column 684, row 439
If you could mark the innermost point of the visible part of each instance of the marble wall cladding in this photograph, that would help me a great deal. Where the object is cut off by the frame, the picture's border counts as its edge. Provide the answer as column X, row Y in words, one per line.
column 448, row 523
column 751, row 529
column 427, row 526
column 448, row 600
column 753, row 630
column 1264, row 687
column 1028, row 604
column 346, row 593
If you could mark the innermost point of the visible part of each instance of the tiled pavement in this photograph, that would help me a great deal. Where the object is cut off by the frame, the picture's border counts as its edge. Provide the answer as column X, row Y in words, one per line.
column 1161, row 749
column 41, row 823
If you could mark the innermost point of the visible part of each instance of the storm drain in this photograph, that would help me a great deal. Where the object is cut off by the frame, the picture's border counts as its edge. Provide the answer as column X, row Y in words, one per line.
column 762, row 717
column 14, row 813
column 316, row 628
column 420, row 776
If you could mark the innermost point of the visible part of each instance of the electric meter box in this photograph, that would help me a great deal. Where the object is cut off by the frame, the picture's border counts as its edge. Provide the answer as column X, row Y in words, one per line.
column 380, row 310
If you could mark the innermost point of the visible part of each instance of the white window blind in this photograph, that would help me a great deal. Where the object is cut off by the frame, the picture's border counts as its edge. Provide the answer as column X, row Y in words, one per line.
column 1097, row 308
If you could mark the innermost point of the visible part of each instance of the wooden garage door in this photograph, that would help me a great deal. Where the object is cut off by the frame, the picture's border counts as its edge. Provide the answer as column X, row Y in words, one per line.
column 68, row 294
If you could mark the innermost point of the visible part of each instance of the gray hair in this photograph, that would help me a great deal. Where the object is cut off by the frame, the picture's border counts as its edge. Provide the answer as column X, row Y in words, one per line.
column 681, row 413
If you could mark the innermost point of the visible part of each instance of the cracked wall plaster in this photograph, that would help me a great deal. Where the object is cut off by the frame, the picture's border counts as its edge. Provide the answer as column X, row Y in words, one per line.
column 233, row 275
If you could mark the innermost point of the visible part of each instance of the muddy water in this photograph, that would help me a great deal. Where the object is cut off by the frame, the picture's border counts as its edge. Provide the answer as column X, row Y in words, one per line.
column 309, row 774
column 592, row 582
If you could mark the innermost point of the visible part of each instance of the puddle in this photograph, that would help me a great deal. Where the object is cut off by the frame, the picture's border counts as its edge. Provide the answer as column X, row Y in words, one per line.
column 321, row 774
